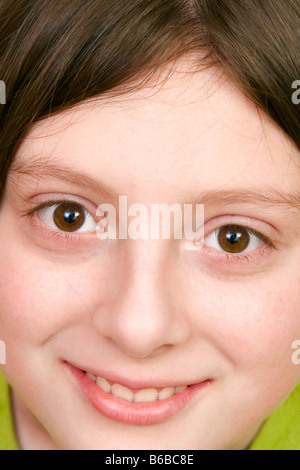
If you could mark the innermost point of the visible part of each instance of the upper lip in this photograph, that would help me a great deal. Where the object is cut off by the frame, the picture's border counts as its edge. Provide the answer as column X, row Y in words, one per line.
column 136, row 383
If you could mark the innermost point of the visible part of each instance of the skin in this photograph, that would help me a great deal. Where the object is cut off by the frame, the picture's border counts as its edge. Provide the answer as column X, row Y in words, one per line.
column 151, row 308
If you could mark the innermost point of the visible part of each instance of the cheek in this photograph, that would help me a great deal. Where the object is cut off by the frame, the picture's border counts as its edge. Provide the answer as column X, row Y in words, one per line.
column 39, row 299
column 253, row 325
column 271, row 324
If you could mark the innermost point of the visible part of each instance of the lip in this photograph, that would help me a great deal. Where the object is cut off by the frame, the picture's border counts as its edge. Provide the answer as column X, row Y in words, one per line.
column 134, row 413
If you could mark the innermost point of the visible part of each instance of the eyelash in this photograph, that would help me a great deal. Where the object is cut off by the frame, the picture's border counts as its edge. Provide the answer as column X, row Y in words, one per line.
column 75, row 237
column 227, row 257
column 251, row 255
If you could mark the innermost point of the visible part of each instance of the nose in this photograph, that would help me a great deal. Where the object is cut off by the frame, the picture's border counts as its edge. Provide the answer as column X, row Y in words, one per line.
column 144, row 315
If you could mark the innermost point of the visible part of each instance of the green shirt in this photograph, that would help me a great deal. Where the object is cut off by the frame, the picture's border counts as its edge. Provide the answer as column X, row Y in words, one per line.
column 7, row 435
column 281, row 431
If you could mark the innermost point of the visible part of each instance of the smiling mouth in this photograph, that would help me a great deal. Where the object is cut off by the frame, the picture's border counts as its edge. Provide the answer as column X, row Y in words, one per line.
column 144, row 395
column 144, row 406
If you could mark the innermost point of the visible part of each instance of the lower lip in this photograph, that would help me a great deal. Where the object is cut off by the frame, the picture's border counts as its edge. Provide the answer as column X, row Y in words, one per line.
column 134, row 413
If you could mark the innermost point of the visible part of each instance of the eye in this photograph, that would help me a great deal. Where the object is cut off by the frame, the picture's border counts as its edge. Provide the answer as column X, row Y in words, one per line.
column 67, row 217
column 235, row 239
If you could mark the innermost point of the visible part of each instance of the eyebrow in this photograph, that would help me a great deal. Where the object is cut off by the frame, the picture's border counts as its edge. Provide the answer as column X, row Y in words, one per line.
column 37, row 169
column 269, row 196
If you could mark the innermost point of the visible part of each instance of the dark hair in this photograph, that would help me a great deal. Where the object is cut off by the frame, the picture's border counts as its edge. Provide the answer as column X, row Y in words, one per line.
column 56, row 53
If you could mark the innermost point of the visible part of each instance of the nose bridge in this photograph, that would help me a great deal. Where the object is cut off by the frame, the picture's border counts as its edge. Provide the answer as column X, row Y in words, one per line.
column 143, row 316
column 148, row 261
column 143, row 308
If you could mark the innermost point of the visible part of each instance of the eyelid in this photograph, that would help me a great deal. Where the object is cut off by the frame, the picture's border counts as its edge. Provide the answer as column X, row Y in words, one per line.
column 50, row 202
column 267, row 233
column 252, row 256
column 213, row 238
column 76, row 236
column 221, row 262
column 263, row 238
column 57, row 239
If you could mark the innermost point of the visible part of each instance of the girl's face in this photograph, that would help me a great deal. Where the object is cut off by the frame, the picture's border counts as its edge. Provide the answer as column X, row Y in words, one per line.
column 154, row 314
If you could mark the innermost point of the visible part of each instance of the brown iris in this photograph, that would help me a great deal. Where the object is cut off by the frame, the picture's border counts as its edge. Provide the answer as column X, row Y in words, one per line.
column 233, row 238
column 69, row 217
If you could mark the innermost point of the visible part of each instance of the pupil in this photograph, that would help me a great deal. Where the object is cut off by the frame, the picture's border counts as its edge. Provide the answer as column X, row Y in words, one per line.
column 70, row 216
column 233, row 237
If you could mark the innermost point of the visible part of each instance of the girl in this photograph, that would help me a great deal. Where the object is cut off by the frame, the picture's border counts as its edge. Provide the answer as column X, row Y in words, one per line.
column 129, row 343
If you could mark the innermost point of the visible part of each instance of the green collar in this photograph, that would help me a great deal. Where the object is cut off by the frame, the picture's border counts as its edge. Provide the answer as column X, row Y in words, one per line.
column 281, row 430
column 7, row 435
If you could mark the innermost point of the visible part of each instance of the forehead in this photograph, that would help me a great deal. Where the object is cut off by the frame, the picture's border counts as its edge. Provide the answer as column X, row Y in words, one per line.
column 190, row 130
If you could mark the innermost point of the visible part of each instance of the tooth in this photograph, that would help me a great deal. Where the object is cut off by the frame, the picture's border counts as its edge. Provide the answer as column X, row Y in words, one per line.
column 122, row 392
column 103, row 384
column 91, row 376
column 166, row 393
column 146, row 395
column 180, row 389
